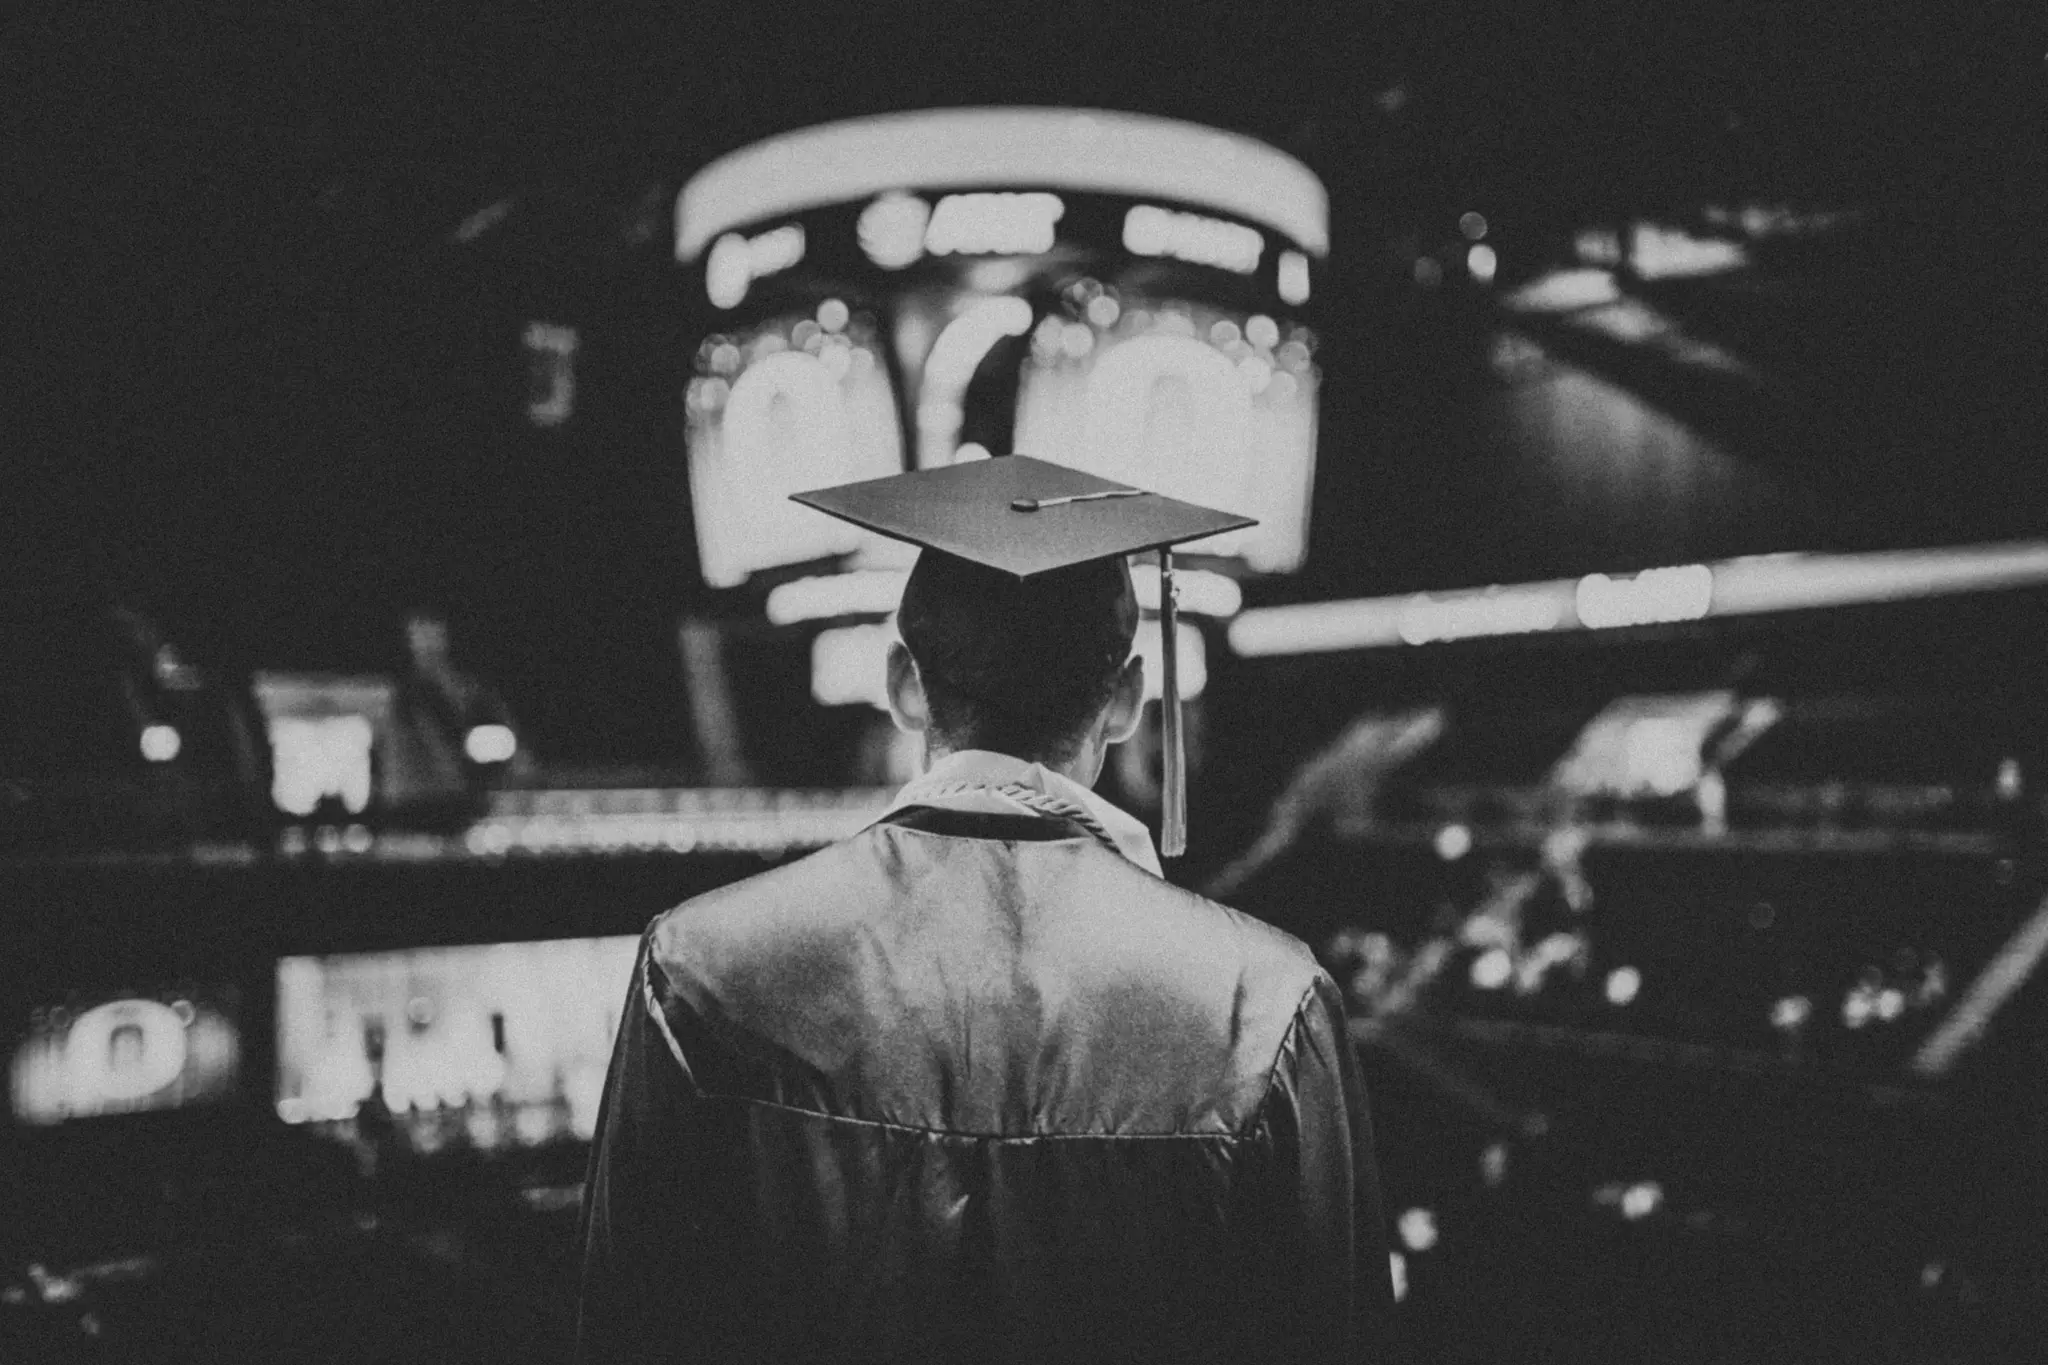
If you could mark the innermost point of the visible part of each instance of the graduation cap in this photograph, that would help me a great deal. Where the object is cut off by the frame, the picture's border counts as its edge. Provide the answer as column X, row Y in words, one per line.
column 1026, row 517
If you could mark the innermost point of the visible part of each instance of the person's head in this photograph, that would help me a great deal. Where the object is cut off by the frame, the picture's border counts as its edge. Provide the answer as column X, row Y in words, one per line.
column 1037, row 668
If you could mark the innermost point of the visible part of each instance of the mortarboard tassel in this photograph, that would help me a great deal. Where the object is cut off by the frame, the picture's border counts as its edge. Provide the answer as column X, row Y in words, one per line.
column 1173, row 822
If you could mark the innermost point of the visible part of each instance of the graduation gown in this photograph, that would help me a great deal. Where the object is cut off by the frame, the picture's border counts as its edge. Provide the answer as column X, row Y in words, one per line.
column 971, row 1086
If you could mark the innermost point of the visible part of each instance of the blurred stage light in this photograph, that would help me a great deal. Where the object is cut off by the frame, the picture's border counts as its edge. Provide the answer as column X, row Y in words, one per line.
column 1788, row 582
column 1425, row 619
column 1660, row 253
column 833, row 315
column 972, row 450
column 1191, row 237
column 490, row 743
column 1292, row 280
column 1790, row 1012
column 1597, row 246
column 317, row 756
column 1418, row 1229
column 994, row 224
column 1623, row 985
column 864, row 592
column 1262, row 331
column 727, row 273
column 891, row 230
column 1763, row 583
column 968, row 337
column 1103, row 310
column 998, row 276
column 1316, row 627
column 736, row 262
column 1492, row 969
column 1641, row 1200
column 1493, row 1163
column 1473, row 225
column 950, row 366
column 848, row 666
column 1453, row 842
column 160, row 743
column 1481, row 263
column 1428, row 272
column 1564, row 291
column 1681, row 593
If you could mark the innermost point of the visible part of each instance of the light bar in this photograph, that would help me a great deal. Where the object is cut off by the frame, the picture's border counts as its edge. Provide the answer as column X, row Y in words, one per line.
column 736, row 262
column 1153, row 231
column 1652, row 597
column 1689, row 592
column 1794, row 582
column 864, row 592
column 490, row 744
column 160, row 743
column 1200, row 591
column 1563, row 291
column 1664, row 253
column 992, row 224
column 1090, row 150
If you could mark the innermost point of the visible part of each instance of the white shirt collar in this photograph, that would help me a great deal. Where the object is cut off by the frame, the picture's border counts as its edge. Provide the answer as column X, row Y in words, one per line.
column 972, row 779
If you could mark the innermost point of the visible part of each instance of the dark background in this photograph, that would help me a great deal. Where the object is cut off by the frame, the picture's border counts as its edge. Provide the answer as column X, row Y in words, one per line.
column 256, row 378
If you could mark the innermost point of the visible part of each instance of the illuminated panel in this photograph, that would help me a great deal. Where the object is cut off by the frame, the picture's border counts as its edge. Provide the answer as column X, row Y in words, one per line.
column 324, row 735
column 509, row 1040
column 1737, row 587
column 736, row 262
column 1189, row 401
column 1429, row 618
column 87, row 1056
column 1798, row 581
column 678, row 820
column 878, row 592
column 1153, row 231
column 848, row 666
column 1091, row 150
column 871, row 592
column 987, row 223
column 785, row 407
column 1681, row 593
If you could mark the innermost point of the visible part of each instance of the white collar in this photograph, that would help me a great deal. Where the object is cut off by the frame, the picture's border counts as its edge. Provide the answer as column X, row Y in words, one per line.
column 977, row 779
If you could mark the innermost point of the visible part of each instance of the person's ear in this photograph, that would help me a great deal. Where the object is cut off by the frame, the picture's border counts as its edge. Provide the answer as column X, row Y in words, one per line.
column 904, row 691
column 1127, row 703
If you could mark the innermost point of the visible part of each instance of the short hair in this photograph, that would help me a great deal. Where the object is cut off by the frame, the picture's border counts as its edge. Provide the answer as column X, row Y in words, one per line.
column 1019, row 666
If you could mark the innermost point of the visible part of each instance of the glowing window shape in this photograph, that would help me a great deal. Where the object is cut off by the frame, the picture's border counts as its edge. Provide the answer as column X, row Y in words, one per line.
column 526, row 1025
column 319, row 756
column 790, row 421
